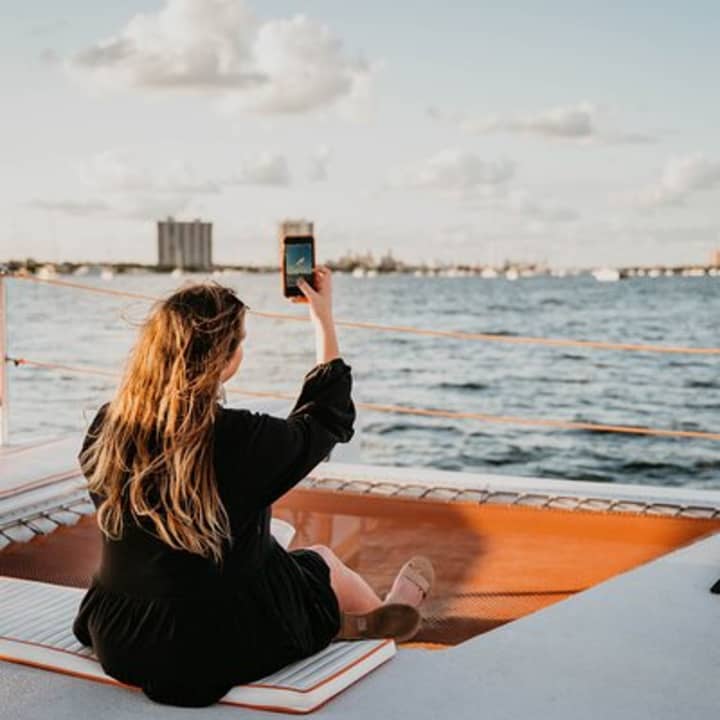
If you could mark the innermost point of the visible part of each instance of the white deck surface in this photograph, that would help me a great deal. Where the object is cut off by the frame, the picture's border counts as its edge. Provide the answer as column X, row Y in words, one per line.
column 645, row 644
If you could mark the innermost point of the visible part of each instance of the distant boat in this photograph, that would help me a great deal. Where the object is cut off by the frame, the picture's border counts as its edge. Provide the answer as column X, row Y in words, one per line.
column 512, row 274
column 359, row 272
column 47, row 272
column 489, row 273
column 177, row 272
column 107, row 274
column 81, row 270
column 606, row 275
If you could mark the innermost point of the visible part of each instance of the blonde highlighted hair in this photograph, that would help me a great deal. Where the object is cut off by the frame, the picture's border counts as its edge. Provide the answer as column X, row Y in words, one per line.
column 153, row 454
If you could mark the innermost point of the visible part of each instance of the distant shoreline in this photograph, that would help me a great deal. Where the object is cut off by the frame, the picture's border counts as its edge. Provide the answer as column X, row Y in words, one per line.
column 362, row 267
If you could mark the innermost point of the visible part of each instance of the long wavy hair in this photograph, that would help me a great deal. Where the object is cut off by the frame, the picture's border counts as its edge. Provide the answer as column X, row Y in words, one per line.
column 153, row 453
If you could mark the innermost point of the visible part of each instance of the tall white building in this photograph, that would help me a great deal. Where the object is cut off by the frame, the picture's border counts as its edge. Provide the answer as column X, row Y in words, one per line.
column 186, row 245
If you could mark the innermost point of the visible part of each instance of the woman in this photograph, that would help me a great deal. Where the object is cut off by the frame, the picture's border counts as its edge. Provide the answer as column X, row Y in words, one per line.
column 193, row 594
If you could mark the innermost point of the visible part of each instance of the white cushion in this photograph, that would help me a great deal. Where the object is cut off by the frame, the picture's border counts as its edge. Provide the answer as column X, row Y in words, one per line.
column 36, row 629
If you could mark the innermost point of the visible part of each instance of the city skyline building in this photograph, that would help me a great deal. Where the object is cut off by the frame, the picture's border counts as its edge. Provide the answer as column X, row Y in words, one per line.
column 185, row 244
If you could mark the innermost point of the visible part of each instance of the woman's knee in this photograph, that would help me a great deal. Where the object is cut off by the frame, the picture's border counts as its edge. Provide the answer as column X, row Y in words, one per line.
column 326, row 554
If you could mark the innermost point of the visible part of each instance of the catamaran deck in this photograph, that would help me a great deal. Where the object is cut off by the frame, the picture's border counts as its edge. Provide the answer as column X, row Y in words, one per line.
column 624, row 625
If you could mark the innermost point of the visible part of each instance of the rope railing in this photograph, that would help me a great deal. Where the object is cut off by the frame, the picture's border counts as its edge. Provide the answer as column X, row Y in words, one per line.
column 428, row 332
column 428, row 412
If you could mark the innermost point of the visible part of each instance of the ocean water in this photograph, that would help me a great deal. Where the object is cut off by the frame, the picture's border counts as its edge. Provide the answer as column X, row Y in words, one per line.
column 665, row 391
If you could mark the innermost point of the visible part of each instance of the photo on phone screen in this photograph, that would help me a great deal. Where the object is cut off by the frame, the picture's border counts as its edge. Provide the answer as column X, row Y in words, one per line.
column 298, row 263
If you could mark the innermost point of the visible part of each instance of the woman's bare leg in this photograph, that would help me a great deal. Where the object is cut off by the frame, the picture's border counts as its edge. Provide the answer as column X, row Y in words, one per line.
column 353, row 592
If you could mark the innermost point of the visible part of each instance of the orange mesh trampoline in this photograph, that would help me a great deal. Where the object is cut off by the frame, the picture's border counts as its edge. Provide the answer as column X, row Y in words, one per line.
column 494, row 562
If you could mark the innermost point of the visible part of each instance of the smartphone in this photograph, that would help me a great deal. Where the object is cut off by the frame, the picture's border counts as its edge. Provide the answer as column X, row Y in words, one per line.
column 298, row 260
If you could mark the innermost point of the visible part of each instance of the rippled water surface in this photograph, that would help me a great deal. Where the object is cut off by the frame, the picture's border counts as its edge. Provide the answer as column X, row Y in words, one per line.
column 665, row 391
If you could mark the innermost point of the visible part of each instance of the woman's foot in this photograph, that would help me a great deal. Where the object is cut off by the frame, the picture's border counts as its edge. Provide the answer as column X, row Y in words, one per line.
column 399, row 622
column 412, row 583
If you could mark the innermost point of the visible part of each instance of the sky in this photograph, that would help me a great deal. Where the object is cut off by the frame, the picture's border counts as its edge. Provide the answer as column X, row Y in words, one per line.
column 572, row 133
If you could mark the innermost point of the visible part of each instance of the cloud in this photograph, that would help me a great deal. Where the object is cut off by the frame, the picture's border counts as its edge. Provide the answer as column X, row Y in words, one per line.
column 454, row 170
column 682, row 177
column 121, row 171
column 578, row 122
column 152, row 207
column 122, row 184
column 267, row 169
column 480, row 184
column 68, row 207
column 283, row 65
column 318, row 167
column 123, row 206
column 520, row 203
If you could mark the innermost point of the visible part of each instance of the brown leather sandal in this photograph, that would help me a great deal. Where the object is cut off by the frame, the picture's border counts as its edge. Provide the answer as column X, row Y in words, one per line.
column 419, row 570
column 396, row 621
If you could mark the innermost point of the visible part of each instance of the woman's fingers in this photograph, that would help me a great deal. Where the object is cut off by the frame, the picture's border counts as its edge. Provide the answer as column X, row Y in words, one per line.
column 322, row 273
column 306, row 288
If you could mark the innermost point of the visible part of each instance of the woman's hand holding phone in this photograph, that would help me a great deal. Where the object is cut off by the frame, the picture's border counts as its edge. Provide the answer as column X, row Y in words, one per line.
column 320, row 307
column 319, row 298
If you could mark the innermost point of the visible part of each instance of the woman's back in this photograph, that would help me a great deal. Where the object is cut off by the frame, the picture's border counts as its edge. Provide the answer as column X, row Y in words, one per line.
column 171, row 615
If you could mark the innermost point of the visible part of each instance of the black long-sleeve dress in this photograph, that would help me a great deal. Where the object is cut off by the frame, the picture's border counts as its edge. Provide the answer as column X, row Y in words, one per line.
column 185, row 629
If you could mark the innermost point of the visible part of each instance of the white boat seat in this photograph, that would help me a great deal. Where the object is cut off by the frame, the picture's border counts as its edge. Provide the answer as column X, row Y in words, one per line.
column 36, row 629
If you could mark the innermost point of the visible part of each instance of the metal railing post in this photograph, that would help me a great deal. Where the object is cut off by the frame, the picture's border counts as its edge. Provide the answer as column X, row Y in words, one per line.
column 4, row 399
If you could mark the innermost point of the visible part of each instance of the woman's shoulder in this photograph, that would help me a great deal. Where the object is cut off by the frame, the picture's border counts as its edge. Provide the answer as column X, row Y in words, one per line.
column 93, row 427
column 234, row 422
column 100, row 415
column 233, row 415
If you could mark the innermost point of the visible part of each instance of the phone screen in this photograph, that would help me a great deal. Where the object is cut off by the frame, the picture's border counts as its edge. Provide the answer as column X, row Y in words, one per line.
column 298, row 263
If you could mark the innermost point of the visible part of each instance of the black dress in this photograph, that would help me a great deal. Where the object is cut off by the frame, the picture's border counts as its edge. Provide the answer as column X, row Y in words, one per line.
column 185, row 629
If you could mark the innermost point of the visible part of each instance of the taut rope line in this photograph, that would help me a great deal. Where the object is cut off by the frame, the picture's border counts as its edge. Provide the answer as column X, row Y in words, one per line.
column 450, row 334
column 402, row 409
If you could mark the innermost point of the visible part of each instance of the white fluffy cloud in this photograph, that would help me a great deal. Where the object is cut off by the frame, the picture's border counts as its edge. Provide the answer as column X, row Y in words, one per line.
column 479, row 184
column 120, row 171
column 281, row 66
column 132, row 189
column 681, row 177
column 579, row 122
column 576, row 121
column 121, row 183
column 454, row 170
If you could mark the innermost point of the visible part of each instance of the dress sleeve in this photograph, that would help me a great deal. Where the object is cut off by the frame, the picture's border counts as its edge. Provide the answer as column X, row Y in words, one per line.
column 282, row 451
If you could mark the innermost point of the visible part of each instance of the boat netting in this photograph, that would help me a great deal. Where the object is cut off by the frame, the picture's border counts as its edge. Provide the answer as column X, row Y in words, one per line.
column 494, row 562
